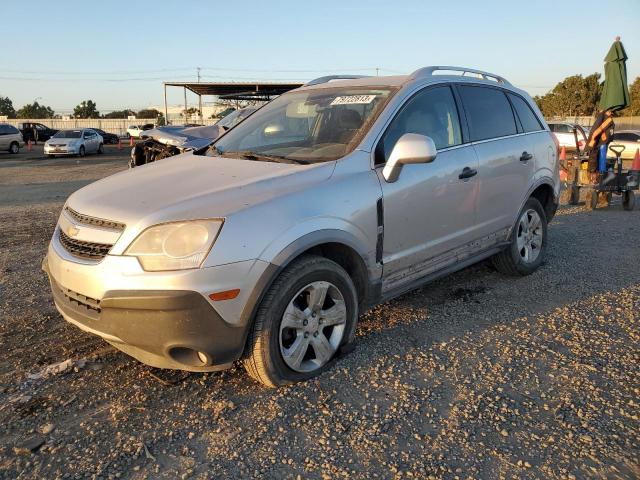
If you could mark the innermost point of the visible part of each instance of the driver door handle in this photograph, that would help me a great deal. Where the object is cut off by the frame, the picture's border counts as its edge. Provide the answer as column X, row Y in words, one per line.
column 467, row 173
column 525, row 156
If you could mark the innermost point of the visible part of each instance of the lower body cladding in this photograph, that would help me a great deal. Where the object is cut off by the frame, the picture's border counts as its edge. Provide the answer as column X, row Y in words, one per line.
column 162, row 327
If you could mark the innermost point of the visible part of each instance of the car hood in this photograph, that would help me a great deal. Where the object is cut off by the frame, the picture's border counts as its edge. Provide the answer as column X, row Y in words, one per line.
column 192, row 186
column 62, row 140
column 187, row 138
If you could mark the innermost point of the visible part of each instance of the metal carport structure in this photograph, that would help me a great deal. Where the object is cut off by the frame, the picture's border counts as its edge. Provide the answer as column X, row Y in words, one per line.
column 260, row 91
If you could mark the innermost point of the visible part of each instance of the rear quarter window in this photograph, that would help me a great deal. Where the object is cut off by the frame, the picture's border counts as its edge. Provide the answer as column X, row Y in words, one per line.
column 528, row 119
column 488, row 111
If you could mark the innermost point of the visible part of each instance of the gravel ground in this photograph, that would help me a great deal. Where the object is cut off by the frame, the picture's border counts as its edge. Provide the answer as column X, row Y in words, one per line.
column 474, row 376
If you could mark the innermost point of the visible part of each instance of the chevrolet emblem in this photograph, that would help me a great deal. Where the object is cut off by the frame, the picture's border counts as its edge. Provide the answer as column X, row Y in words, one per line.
column 72, row 231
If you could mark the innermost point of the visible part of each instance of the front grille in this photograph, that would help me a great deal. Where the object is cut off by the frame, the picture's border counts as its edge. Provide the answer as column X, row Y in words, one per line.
column 98, row 222
column 80, row 303
column 90, row 250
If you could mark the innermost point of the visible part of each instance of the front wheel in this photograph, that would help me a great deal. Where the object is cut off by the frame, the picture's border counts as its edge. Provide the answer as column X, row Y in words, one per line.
column 306, row 316
column 81, row 151
column 100, row 149
column 628, row 200
column 528, row 242
column 14, row 148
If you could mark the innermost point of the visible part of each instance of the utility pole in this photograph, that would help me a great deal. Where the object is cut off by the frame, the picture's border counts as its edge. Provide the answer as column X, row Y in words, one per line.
column 377, row 72
column 198, row 74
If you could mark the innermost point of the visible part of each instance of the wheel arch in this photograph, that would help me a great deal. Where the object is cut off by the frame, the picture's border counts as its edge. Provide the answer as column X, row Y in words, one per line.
column 337, row 246
column 544, row 193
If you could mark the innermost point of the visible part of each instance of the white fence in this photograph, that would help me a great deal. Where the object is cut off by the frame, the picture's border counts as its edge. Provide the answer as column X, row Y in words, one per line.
column 111, row 125
column 622, row 123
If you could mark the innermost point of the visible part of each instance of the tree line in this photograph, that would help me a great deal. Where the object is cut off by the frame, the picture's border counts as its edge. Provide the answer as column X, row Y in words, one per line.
column 85, row 109
column 574, row 96
column 579, row 96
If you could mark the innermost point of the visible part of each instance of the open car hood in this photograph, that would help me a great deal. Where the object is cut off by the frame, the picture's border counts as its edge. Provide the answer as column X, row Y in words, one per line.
column 191, row 138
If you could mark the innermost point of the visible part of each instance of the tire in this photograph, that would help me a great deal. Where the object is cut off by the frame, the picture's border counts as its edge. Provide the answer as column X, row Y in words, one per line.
column 574, row 197
column 628, row 200
column 527, row 246
column 592, row 200
column 14, row 148
column 100, row 149
column 81, row 151
column 288, row 324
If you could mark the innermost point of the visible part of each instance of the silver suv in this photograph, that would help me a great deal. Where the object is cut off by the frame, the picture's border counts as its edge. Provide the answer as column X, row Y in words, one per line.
column 339, row 195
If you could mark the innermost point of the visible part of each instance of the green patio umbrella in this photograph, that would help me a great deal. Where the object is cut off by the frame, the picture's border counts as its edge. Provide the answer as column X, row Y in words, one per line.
column 615, row 92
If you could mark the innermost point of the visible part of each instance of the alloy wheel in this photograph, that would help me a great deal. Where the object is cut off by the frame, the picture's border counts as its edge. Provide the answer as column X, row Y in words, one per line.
column 529, row 236
column 312, row 326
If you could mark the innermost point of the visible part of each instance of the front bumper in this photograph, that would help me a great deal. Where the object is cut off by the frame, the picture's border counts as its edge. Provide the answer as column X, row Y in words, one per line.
column 66, row 150
column 162, row 319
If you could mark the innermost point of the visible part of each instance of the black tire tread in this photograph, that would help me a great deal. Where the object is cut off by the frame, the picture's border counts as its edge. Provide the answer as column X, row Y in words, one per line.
column 257, row 346
column 503, row 261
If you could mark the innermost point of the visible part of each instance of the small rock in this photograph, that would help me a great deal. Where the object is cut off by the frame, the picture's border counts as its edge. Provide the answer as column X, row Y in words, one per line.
column 47, row 428
column 29, row 445
column 586, row 439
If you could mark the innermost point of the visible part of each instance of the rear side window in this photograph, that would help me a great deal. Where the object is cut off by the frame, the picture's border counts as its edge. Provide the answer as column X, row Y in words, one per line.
column 488, row 112
column 528, row 119
column 12, row 129
column 625, row 137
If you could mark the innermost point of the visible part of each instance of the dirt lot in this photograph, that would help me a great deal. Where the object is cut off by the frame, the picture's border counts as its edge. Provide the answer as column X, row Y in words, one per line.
column 475, row 376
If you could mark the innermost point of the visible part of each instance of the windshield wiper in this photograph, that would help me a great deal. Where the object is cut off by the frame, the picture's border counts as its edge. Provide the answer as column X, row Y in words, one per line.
column 249, row 155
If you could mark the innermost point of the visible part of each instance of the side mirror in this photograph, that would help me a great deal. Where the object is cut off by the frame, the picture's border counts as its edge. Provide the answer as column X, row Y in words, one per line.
column 410, row 148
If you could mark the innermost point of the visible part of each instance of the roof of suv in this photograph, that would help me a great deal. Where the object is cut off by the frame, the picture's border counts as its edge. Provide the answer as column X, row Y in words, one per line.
column 422, row 74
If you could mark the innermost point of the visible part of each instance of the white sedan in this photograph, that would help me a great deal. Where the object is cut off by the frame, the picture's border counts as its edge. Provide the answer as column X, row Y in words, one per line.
column 74, row 142
column 564, row 133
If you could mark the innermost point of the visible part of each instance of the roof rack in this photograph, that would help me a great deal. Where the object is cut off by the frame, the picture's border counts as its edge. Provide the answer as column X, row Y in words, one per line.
column 329, row 78
column 429, row 71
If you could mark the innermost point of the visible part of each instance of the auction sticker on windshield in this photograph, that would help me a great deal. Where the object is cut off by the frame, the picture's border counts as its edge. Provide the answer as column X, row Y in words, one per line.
column 353, row 100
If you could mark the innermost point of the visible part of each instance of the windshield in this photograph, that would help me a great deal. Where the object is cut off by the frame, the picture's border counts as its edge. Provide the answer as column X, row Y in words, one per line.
column 309, row 126
column 234, row 117
column 68, row 134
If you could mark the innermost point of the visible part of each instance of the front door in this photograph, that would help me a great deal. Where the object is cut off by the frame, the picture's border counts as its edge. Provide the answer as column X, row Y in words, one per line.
column 429, row 212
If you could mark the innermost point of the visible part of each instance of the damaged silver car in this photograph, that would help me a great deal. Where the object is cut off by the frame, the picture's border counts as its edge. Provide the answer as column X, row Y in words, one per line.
column 167, row 141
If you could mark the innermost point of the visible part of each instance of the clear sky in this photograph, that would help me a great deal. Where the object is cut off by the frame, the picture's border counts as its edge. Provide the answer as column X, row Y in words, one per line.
column 119, row 52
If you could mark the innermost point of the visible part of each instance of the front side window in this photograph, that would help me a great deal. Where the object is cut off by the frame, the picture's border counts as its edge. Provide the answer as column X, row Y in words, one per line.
column 431, row 112
column 488, row 112
column 528, row 119
column 310, row 126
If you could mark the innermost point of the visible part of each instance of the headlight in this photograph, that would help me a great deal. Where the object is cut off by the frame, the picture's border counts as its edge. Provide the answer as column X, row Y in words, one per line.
column 175, row 246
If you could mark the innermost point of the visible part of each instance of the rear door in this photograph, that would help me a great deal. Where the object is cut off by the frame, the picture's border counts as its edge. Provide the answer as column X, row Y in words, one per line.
column 506, row 157
column 4, row 136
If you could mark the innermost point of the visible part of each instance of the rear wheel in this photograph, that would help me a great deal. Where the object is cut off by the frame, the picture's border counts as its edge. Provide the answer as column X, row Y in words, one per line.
column 592, row 200
column 628, row 200
column 14, row 147
column 528, row 243
column 100, row 149
column 81, row 151
column 308, row 313
column 574, row 198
